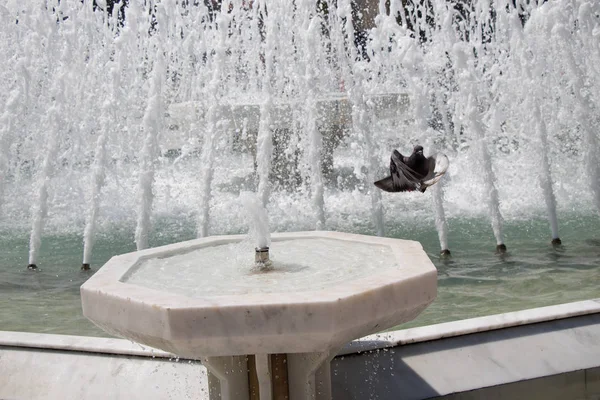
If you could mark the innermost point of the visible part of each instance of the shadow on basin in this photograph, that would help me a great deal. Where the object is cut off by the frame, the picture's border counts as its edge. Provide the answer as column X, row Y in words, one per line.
column 384, row 375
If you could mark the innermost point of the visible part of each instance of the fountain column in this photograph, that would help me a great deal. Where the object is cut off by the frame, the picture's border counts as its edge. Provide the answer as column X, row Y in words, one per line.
column 17, row 98
column 212, row 128
column 259, row 228
column 303, row 376
column 52, row 122
column 152, row 124
column 264, row 140
column 311, row 25
column 7, row 126
column 440, row 217
column 532, row 64
column 438, row 190
column 545, row 177
column 361, row 123
column 464, row 64
column 355, row 78
column 489, row 184
column 585, row 103
column 55, row 124
column 228, row 377
column 310, row 375
column 99, row 167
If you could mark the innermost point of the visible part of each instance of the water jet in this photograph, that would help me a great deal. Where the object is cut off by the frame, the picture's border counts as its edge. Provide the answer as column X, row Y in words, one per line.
column 335, row 104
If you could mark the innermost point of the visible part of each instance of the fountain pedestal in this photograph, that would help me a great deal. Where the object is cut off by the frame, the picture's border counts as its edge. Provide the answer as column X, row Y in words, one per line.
column 270, row 376
column 227, row 329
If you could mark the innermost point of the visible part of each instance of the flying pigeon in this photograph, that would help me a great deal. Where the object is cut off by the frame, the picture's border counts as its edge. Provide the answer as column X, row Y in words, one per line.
column 416, row 172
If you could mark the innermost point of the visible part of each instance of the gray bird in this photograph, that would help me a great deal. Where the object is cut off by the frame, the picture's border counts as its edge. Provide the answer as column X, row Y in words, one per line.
column 416, row 172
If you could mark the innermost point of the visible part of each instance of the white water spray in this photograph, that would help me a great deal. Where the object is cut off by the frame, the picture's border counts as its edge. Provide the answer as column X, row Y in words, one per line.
column 489, row 183
column 311, row 24
column 440, row 216
column 212, row 128
column 108, row 116
column 225, row 66
column 585, row 108
column 152, row 125
column 264, row 140
column 545, row 177
column 39, row 211
column 469, row 81
column 259, row 225
column 533, row 70
column 7, row 127
column 355, row 79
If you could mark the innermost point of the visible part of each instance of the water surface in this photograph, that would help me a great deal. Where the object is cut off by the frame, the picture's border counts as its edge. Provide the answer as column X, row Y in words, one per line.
column 473, row 282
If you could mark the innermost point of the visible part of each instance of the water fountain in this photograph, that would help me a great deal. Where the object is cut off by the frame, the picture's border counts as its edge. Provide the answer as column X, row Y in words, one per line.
column 204, row 299
column 279, row 321
column 262, row 233
column 123, row 121
column 210, row 71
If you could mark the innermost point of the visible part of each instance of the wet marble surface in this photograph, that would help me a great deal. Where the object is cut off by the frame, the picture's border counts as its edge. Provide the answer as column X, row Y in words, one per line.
column 255, row 323
column 472, row 325
column 564, row 353
column 550, row 351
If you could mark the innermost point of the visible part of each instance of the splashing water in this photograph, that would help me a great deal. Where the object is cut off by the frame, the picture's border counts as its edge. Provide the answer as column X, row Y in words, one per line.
column 259, row 228
column 172, row 109
column 440, row 215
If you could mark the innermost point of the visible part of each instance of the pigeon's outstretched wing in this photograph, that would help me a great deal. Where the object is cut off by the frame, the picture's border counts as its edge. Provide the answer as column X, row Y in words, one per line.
column 438, row 165
column 401, row 179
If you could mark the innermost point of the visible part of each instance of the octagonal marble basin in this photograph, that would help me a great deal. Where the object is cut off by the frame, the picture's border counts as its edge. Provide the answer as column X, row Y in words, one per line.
column 204, row 298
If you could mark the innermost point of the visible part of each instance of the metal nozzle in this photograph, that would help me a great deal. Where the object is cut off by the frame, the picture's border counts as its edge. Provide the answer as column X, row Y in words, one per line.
column 261, row 257
column 445, row 253
column 501, row 248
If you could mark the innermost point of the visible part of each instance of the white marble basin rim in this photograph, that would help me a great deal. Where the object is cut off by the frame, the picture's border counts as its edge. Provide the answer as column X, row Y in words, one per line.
column 252, row 323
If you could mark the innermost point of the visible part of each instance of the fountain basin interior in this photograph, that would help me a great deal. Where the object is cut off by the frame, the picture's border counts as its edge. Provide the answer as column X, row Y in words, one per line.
column 298, row 265
column 347, row 298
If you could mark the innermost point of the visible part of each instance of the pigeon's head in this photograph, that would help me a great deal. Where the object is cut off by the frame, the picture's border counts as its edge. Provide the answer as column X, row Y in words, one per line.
column 418, row 149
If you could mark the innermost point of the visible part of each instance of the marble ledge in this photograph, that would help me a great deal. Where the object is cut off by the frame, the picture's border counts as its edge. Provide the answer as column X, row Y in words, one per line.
column 473, row 325
column 86, row 344
column 383, row 340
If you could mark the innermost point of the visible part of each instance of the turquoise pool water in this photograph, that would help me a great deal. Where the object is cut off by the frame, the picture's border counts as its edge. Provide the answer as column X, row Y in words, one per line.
column 473, row 282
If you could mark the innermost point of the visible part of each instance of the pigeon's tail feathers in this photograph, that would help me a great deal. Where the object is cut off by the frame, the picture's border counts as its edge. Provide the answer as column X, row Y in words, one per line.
column 386, row 184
